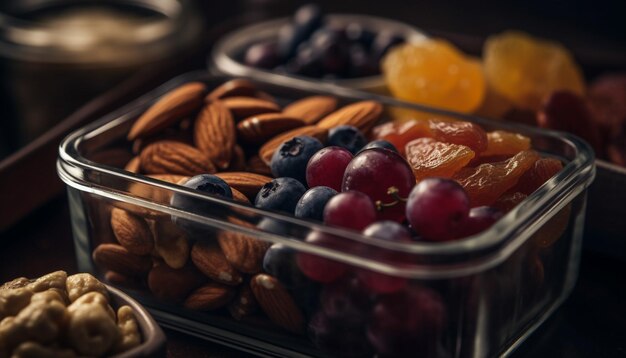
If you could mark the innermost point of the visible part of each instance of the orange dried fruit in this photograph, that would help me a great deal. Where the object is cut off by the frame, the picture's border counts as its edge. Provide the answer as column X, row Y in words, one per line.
column 485, row 183
column 539, row 173
column 525, row 69
column 505, row 143
column 463, row 133
column 430, row 158
column 435, row 73
column 399, row 134
column 509, row 200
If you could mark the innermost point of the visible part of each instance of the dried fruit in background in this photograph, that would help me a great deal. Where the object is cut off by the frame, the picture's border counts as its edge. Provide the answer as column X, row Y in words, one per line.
column 485, row 183
column 464, row 133
column 430, row 158
column 435, row 73
column 567, row 111
column 311, row 109
column 170, row 157
column 171, row 108
column 525, row 69
column 509, row 200
column 538, row 174
column 505, row 143
column 607, row 101
column 401, row 133
column 214, row 133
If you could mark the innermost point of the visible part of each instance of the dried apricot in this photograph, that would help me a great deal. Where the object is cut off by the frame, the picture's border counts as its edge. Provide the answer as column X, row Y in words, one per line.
column 505, row 143
column 485, row 183
column 435, row 73
column 463, row 133
column 525, row 69
column 430, row 158
column 509, row 200
column 399, row 134
column 539, row 173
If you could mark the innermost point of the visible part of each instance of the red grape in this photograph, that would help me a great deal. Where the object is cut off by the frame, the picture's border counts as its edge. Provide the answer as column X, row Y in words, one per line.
column 351, row 210
column 326, row 167
column 318, row 268
column 437, row 209
column 374, row 172
column 480, row 218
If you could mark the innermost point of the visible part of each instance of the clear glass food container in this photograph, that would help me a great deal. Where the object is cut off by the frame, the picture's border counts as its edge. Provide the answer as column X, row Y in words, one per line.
column 227, row 53
column 476, row 297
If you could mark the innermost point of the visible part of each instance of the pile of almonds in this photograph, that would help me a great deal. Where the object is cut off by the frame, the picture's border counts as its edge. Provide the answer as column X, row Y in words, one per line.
column 231, row 131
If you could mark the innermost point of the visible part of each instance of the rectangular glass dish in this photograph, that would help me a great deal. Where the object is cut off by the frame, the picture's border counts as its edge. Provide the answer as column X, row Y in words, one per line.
column 479, row 296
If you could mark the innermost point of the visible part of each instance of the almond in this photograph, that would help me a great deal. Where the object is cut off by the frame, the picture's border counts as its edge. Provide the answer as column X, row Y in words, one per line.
column 244, row 304
column 260, row 128
column 239, row 196
column 119, row 279
column 209, row 297
column 311, row 109
column 134, row 165
column 258, row 166
column 238, row 160
column 170, row 157
column 362, row 115
column 116, row 258
column 247, row 183
column 171, row 108
column 267, row 150
column 214, row 133
column 173, row 285
column 232, row 88
column 277, row 303
column 211, row 261
column 243, row 107
column 170, row 242
column 244, row 252
column 132, row 232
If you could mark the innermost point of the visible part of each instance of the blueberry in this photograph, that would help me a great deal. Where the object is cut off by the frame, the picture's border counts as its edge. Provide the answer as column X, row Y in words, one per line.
column 280, row 194
column 273, row 226
column 289, row 37
column 380, row 143
column 348, row 137
column 308, row 62
column 205, row 183
column 280, row 262
column 308, row 17
column 312, row 203
column 383, row 42
column 291, row 158
column 355, row 32
column 331, row 46
column 361, row 65
column 262, row 55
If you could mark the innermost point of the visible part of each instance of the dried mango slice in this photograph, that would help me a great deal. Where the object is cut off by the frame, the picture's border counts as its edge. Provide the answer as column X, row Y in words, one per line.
column 485, row 183
column 505, row 143
column 430, row 158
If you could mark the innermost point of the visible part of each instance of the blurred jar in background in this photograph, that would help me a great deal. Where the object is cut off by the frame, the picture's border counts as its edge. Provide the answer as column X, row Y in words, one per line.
column 55, row 55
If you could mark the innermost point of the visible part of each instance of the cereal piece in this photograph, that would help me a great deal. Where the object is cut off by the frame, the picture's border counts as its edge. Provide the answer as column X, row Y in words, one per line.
column 90, row 328
column 39, row 321
column 14, row 300
column 17, row 283
column 50, row 296
column 129, row 329
column 36, row 350
column 82, row 283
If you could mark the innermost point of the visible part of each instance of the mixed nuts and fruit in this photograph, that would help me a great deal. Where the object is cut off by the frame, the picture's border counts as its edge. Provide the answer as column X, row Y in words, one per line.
column 57, row 315
column 398, row 182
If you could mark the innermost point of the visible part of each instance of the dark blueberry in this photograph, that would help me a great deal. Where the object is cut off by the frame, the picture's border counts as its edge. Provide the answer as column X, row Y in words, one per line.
column 291, row 158
column 383, row 42
column 274, row 226
column 361, row 65
column 262, row 55
column 331, row 46
column 308, row 17
column 388, row 230
column 355, row 32
column 380, row 143
column 280, row 194
column 207, row 184
column 289, row 37
column 348, row 137
column 312, row 203
column 308, row 62
column 280, row 262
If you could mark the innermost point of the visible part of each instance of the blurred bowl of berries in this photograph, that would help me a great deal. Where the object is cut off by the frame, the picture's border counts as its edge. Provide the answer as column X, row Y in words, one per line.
column 342, row 49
